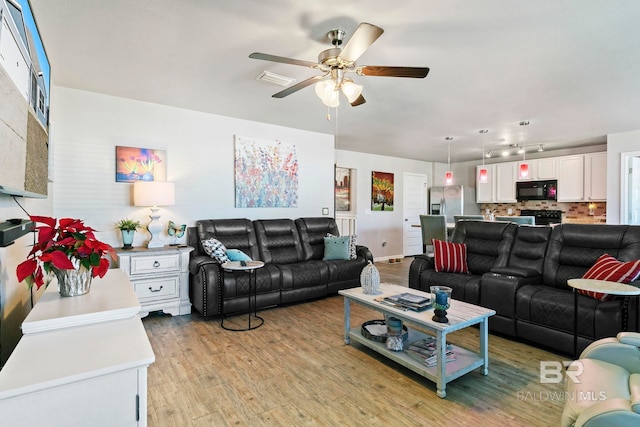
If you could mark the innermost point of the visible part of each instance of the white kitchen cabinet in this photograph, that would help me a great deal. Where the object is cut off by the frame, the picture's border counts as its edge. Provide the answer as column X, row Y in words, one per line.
column 505, row 177
column 546, row 168
column 570, row 178
column 160, row 277
column 595, row 177
column 539, row 169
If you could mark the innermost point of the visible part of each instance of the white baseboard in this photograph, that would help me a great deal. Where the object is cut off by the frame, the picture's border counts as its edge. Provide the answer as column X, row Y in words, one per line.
column 387, row 258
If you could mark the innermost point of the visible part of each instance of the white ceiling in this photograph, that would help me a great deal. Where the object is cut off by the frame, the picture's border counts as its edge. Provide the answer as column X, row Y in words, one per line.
column 570, row 67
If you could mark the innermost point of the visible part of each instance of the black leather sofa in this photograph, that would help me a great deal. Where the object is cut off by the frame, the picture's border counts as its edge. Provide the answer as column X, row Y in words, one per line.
column 522, row 272
column 294, row 270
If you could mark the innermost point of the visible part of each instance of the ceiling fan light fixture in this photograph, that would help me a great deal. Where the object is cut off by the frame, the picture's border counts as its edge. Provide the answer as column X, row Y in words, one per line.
column 351, row 90
column 327, row 92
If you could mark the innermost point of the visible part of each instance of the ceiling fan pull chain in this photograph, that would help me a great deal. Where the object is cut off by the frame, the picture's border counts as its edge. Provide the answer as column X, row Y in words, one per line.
column 328, row 113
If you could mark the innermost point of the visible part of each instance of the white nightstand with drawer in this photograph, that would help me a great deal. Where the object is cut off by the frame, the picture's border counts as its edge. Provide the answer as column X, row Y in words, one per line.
column 160, row 277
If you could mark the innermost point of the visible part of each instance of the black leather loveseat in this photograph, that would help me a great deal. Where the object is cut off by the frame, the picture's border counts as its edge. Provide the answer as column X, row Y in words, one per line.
column 294, row 270
column 522, row 272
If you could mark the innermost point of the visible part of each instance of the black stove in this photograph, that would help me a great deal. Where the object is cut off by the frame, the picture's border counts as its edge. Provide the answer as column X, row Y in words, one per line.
column 543, row 217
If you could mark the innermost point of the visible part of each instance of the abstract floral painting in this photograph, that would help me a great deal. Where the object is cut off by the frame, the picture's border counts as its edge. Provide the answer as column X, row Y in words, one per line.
column 266, row 174
column 140, row 164
column 381, row 191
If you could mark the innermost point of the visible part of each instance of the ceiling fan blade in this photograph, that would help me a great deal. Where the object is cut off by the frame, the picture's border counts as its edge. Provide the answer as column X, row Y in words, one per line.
column 296, row 87
column 359, row 101
column 373, row 70
column 284, row 60
column 362, row 38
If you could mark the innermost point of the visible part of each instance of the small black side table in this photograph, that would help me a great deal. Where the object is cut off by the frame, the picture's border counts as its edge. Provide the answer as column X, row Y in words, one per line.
column 249, row 267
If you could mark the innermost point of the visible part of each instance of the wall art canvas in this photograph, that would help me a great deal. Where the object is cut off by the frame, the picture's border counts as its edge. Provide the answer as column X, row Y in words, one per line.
column 342, row 188
column 266, row 173
column 381, row 191
column 140, row 164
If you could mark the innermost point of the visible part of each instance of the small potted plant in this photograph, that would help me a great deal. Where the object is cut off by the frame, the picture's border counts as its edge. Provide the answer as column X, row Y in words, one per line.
column 128, row 228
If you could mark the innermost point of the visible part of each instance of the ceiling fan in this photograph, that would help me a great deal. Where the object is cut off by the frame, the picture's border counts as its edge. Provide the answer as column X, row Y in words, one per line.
column 337, row 62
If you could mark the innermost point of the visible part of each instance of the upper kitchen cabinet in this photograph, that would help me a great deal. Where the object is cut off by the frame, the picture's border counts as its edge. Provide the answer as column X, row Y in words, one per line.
column 570, row 178
column 500, row 186
column 539, row 169
column 595, row 177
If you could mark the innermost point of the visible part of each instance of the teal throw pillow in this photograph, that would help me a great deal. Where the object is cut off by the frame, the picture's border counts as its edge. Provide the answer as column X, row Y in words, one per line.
column 336, row 248
column 237, row 255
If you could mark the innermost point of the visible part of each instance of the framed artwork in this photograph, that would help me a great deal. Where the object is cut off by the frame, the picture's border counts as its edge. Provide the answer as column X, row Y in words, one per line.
column 140, row 164
column 381, row 191
column 342, row 189
column 266, row 173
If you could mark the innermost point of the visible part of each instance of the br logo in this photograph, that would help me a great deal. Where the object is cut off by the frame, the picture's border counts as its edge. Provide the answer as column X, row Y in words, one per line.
column 553, row 371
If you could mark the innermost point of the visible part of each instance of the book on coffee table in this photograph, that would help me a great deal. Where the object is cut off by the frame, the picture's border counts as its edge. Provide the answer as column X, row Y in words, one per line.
column 410, row 301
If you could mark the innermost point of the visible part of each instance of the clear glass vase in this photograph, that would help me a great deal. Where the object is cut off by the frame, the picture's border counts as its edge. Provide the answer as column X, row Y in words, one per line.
column 75, row 282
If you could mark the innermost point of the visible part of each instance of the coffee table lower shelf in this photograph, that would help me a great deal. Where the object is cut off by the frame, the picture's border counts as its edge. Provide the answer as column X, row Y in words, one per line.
column 466, row 361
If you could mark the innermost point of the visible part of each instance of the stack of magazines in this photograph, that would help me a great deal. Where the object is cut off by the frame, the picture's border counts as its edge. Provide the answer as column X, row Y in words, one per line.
column 408, row 301
column 425, row 351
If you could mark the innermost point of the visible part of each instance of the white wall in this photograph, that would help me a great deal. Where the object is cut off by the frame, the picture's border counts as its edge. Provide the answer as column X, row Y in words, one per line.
column 200, row 160
column 617, row 144
column 376, row 227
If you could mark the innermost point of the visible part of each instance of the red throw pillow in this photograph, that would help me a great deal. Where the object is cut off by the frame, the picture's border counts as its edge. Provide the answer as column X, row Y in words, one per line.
column 610, row 269
column 449, row 257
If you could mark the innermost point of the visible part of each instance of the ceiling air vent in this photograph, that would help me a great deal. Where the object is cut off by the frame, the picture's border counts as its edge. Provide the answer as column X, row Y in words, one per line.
column 277, row 79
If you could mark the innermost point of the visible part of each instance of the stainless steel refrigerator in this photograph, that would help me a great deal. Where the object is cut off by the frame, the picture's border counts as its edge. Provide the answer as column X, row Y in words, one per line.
column 447, row 201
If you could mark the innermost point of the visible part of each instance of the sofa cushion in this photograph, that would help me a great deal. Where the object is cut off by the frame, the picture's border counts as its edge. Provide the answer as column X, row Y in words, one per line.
column 237, row 255
column 279, row 241
column 610, row 269
column 488, row 243
column 449, row 257
column 336, row 248
column 215, row 249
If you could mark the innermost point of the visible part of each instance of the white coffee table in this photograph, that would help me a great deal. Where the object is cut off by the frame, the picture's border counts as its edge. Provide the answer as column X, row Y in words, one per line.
column 460, row 315
column 605, row 287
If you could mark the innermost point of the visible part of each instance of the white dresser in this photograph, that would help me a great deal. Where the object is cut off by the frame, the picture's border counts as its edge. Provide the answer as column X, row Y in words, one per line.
column 159, row 276
column 82, row 360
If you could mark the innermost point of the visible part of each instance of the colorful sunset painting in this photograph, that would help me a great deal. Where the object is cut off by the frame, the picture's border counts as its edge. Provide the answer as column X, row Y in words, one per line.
column 140, row 164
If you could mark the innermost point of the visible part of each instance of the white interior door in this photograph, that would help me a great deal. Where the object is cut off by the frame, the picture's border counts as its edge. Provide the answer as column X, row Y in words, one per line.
column 630, row 200
column 414, row 204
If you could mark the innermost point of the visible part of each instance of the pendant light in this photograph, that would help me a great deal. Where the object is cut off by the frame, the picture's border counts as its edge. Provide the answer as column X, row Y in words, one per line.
column 524, row 167
column 483, row 175
column 448, row 175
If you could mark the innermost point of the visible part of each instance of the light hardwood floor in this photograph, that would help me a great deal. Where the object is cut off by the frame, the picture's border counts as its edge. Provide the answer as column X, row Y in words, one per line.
column 297, row 371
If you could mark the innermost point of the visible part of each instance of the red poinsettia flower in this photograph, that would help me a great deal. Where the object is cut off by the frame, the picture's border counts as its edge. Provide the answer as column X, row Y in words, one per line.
column 60, row 244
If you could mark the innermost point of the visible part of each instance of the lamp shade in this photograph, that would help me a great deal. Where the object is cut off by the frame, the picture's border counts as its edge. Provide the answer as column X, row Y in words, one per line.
column 483, row 176
column 524, row 170
column 448, row 178
column 154, row 193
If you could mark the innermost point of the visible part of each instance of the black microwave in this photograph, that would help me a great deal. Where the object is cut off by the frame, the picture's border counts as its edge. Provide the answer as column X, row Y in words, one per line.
column 536, row 190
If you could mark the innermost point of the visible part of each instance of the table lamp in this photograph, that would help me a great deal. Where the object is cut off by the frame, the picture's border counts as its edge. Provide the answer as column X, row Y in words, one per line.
column 154, row 194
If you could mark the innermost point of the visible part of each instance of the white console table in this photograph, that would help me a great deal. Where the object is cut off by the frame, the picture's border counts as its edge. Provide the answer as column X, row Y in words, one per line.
column 82, row 360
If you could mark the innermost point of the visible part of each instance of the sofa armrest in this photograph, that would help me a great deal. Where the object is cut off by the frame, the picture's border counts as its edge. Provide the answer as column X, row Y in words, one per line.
column 630, row 338
column 197, row 260
column 613, row 351
column 515, row 271
column 498, row 291
column 364, row 252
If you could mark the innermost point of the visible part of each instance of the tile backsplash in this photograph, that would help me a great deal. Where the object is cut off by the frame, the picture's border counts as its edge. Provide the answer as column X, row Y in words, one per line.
column 576, row 212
